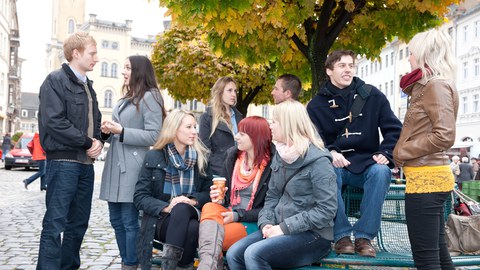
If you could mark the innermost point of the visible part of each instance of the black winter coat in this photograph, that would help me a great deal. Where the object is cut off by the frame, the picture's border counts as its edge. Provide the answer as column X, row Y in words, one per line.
column 63, row 116
column 149, row 198
column 219, row 142
column 363, row 140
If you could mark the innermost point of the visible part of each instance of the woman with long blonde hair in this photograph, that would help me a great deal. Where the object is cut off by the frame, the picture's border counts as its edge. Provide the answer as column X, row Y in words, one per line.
column 171, row 190
column 218, row 124
column 301, row 201
column 428, row 131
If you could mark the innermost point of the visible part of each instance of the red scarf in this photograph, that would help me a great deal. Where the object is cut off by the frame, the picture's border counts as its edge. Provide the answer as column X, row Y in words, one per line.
column 411, row 78
column 241, row 180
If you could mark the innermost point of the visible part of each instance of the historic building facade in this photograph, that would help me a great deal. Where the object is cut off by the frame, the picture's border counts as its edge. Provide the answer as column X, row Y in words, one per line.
column 114, row 44
column 10, row 67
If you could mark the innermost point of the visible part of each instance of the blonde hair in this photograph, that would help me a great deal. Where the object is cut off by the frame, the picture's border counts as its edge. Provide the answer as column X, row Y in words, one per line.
column 219, row 111
column 296, row 126
column 168, row 133
column 433, row 50
column 78, row 41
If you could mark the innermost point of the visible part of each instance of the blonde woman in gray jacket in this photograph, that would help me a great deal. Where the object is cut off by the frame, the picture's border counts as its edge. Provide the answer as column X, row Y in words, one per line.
column 136, row 122
column 301, row 200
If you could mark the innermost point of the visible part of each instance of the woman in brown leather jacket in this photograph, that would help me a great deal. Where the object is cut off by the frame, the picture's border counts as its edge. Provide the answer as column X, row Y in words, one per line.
column 428, row 130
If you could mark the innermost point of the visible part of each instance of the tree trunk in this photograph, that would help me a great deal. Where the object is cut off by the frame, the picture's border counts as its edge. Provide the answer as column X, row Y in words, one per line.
column 317, row 56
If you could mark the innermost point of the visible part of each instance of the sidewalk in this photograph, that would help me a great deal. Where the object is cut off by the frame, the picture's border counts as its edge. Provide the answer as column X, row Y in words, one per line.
column 21, row 213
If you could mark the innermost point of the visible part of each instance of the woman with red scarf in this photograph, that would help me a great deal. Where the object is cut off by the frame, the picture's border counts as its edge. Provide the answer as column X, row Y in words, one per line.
column 247, row 170
column 428, row 131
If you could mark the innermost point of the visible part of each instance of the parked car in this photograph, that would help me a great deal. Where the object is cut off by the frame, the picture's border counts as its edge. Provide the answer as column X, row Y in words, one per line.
column 19, row 156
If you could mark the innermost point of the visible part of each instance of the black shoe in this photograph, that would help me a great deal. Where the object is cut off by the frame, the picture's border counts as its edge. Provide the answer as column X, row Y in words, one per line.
column 42, row 189
column 25, row 184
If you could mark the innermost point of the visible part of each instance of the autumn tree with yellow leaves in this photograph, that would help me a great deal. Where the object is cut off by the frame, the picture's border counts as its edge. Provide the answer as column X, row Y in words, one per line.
column 186, row 66
column 297, row 35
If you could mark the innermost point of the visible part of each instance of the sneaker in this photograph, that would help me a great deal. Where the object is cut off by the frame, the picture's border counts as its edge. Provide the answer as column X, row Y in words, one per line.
column 25, row 184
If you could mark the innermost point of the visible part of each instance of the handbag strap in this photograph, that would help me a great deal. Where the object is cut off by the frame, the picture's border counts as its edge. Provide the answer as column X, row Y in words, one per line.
column 290, row 178
column 462, row 196
column 356, row 108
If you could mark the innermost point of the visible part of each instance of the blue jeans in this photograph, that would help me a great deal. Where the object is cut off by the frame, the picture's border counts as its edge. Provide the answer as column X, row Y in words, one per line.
column 426, row 230
column 375, row 181
column 42, row 169
column 68, row 201
column 286, row 251
column 124, row 220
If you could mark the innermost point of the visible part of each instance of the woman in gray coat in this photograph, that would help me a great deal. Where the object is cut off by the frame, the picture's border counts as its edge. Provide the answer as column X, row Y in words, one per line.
column 136, row 122
column 296, row 222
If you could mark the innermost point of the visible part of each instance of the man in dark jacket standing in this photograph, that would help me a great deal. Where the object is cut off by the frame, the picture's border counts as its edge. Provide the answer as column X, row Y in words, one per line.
column 348, row 115
column 69, row 124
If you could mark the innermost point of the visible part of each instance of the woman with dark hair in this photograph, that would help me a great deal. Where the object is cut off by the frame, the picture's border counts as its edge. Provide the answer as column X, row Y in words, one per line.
column 218, row 124
column 135, row 125
column 170, row 191
column 247, row 170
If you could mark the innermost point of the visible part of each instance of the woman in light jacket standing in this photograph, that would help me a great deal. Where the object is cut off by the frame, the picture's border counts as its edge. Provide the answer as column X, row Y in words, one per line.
column 428, row 131
column 296, row 222
column 218, row 125
column 136, row 122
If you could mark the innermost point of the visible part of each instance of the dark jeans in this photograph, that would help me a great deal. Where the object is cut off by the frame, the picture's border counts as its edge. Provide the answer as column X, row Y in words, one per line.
column 68, row 201
column 426, row 230
column 180, row 229
column 42, row 168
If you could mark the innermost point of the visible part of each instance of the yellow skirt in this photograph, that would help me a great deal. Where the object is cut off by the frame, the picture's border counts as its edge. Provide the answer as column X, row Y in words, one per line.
column 429, row 179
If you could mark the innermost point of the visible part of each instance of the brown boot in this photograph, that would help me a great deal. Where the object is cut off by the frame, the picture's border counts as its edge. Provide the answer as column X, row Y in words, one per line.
column 344, row 246
column 210, row 241
column 364, row 248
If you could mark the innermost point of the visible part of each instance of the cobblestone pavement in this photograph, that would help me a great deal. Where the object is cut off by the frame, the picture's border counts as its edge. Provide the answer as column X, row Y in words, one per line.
column 21, row 214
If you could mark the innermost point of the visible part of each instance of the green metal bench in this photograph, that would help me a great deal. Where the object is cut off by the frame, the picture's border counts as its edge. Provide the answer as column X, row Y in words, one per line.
column 392, row 243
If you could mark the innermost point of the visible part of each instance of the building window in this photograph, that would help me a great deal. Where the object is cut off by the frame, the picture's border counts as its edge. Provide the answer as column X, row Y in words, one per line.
column 407, row 52
column 361, row 72
column 113, row 70
column 465, row 104
column 465, row 69
column 477, row 29
column 371, row 68
column 476, row 67
column 108, row 99
column 265, row 111
column 400, row 55
column 376, row 66
column 386, row 88
column 193, row 105
column 386, row 61
column 391, row 58
column 104, row 44
column 366, row 70
column 2, row 82
column 177, row 104
column 115, row 45
column 71, row 26
column 380, row 64
column 391, row 87
column 24, row 113
column 380, row 88
column 104, row 69
column 465, row 33
column 475, row 103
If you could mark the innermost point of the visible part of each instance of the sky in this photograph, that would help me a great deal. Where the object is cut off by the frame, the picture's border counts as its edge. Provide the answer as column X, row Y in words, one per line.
column 35, row 19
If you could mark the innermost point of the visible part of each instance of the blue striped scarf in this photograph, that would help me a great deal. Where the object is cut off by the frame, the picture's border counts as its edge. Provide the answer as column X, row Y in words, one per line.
column 180, row 172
